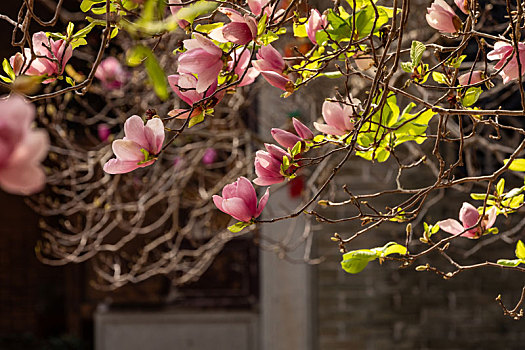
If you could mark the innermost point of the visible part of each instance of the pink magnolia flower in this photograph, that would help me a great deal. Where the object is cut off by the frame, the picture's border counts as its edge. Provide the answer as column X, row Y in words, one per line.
column 315, row 23
column 209, row 157
column 185, row 86
column 463, row 5
column 256, row 6
column 502, row 51
column 241, row 30
column 174, row 10
column 268, row 165
column 287, row 139
column 203, row 58
column 111, row 73
column 138, row 148
column 468, row 78
column 21, row 148
column 271, row 65
column 103, row 132
column 239, row 64
column 55, row 56
column 469, row 216
column 440, row 16
column 338, row 119
column 240, row 200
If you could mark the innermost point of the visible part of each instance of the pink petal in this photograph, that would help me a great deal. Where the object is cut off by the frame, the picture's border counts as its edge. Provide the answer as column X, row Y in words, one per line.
column 22, row 178
column 276, row 79
column 285, row 138
column 328, row 129
column 134, row 131
column 237, row 33
column 154, row 132
column 237, row 208
column 451, row 226
column 217, row 200
column 267, row 181
column 468, row 215
column 127, row 150
column 302, row 130
column 230, row 191
column 333, row 115
column 246, row 192
column 117, row 166
column 208, row 77
column 262, row 202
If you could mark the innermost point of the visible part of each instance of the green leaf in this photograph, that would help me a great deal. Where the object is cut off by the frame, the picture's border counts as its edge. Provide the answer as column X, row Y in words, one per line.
column 156, row 75
column 456, row 62
column 394, row 248
column 192, row 11
column 268, row 38
column 478, row 196
column 520, row 250
column 86, row 5
column 8, row 69
column 514, row 192
column 69, row 29
column 299, row 30
column 296, row 149
column 196, row 120
column 416, row 52
column 355, row 261
column 70, row 81
column 261, row 26
column 506, row 262
column 366, row 21
column 6, row 79
column 471, row 96
column 440, row 78
column 114, row 33
column 500, row 187
column 206, row 28
column 238, row 227
column 407, row 67
column 517, row 164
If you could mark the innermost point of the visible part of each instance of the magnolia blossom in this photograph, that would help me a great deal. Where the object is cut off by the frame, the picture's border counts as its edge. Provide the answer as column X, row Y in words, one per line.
column 55, row 55
column 271, row 65
column 338, row 119
column 503, row 51
column 440, row 16
column 103, row 132
column 239, row 64
column 471, row 78
column 315, row 23
column 463, row 5
column 240, row 200
column 185, row 85
column 241, row 30
column 209, row 157
column 174, row 10
column 256, row 6
column 203, row 58
column 287, row 139
column 469, row 216
column 268, row 165
column 138, row 148
column 111, row 73
column 21, row 148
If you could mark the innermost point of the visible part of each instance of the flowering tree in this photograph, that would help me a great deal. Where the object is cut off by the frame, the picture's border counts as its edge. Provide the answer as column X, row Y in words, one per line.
column 415, row 104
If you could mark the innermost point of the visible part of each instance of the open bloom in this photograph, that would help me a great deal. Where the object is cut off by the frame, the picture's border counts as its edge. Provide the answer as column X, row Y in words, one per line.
column 21, row 148
column 185, row 85
column 138, row 148
column 240, row 200
column 502, row 52
column 315, row 23
column 55, row 55
column 338, row 119
column 469, row 216
column 174, row 10
column 271, row 65
column 442, row 17
column 471, row 78
column 111, row 73
column 203, row 58
column 462, row 4
column 287, row 139
column 241, row 30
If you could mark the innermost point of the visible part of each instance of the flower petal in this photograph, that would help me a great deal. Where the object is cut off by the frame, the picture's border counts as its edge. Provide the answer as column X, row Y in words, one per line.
column 134, row 131
column 451, row 226
column 117, row 166
column 127, row 150
column 237, row 208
